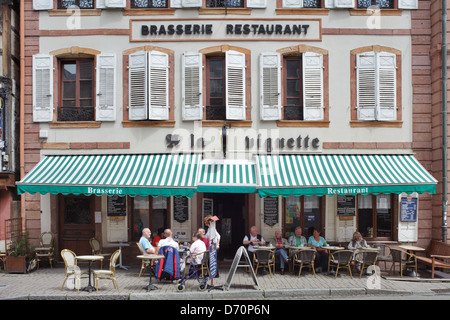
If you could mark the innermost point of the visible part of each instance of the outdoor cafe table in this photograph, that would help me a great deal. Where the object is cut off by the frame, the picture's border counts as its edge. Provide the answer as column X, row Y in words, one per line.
column 150, row 286
column 411, row 249
column 90, row 258
column 331, row 249
column 292, row 249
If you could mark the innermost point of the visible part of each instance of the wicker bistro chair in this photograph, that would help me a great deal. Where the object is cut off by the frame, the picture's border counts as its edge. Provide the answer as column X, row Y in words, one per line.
column 205, row 264
column 3, row 252
column 384, row 255
column 70, row 264
column 45, row 251
column 405, row 259
column 367, row 258
column 145, row 263
column 304, row 257
column 264, row 257
column 97, row 250
column 108, row 274
column 342, row 258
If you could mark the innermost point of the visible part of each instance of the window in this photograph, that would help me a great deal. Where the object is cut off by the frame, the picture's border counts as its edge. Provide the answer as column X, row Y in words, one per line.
column 294, row 92
column 77, row 90
column 376, row 86
column 224, row 92
column 375, row 216
column 302, row 3
column 382, row 4
column 149, row 212
column 301, row 211
column 224, row 3
column 82, row 4
column 149, row 3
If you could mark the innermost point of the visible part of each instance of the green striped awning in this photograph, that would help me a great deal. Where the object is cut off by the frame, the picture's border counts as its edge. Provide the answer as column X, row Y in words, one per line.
column 124, row 174
column 227, row 176
column 341, row 174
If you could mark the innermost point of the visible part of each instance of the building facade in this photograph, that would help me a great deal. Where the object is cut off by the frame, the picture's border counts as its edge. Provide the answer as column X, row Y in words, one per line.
column 277, row 113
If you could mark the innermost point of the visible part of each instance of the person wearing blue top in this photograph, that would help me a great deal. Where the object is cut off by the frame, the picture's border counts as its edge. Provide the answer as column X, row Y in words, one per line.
column 144, row 242
column 317, row 242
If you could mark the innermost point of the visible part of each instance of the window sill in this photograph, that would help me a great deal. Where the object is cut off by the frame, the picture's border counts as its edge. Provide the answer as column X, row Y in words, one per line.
column 142, row 12
column 369, row 12
column 220, row 11
column 381, row 124
column 69, row 12
column 303, row 123
column 148, row 123
column 305, row 11
column 232, row 123
column 75, row 124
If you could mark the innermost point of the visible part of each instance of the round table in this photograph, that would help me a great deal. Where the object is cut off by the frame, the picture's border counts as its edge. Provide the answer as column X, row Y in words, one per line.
column 90, row 258
column 150, row 286
column 120, row 245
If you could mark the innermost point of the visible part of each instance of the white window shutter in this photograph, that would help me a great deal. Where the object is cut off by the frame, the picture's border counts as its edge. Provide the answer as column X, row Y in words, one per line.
column 100, row 4
column 115, row 3
column 42, row 87
column 42, row 4
column 106, row 88
column 235, row 85
column 292, row 3
column 270, row 86
column 158, row 86
column 192, row 3
column 344, row 3
column 312, row 86
column 176, row 3
column 256, row 3
column 387, row 87
column 408, row 4
column 137, row 89
column 329, row 4
column 192, row 86
column 366, row 85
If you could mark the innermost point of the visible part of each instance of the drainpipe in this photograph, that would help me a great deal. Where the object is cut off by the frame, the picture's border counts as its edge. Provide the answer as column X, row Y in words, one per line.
column 444, row 121
column 22, row 105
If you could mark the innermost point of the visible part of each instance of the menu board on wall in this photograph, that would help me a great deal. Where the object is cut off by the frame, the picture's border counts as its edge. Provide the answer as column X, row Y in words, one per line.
column 117, row 206
column 207, row 207
column 408, row 209
column 346, row 206
column 271, row 211
column 181, row 209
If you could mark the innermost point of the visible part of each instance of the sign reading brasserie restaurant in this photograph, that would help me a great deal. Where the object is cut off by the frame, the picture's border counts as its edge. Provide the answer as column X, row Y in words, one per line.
column 225, row 29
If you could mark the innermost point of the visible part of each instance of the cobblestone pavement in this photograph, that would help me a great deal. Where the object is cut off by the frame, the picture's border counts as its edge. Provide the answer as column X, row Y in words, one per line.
column 46, row 284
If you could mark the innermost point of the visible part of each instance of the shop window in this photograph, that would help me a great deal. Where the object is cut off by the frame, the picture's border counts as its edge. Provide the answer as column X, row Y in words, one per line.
column 224, row 3
column 301, row 211
column 375, row 216
column 77, row 90
column 82, row 4
column 149, row 212
column 149, row 3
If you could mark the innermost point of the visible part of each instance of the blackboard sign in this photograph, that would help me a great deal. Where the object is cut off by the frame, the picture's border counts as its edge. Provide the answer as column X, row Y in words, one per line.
column 207, row 207
column 271, row 211
column 237, row 258
column 181, row 209
column 346, row 205
column 117, row 206
column 408, row 209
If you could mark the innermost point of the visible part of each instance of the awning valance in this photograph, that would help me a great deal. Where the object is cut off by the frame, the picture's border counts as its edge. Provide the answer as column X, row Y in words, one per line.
column 341, row 174
column 227, row 176
column 124, row 174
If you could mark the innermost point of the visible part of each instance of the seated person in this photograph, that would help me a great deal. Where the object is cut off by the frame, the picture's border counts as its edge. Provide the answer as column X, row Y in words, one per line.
column 355, row 244
column 168, row 240
column 203, row 237
column 280, row 253
column 297, row 240
column 197, row 249
column 144, row 242
column 317, row 242
column 158, row 237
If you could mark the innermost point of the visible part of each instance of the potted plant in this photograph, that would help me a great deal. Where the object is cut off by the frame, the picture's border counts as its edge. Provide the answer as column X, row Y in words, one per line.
column 20, row 256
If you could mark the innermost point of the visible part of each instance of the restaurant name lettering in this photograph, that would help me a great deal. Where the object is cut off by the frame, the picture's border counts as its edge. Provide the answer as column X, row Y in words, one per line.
column 348, row 190
column 107, row 191
column 231, row 29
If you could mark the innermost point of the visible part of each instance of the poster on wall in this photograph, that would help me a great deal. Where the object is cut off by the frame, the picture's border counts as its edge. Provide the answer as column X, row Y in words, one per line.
column 408, row 209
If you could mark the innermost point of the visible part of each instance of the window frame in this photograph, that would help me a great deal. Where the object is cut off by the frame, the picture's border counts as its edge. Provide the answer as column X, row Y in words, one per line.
column 284, row 86
column 77, row 3
column 375, row 237
column 208, row 60
column 149, row 7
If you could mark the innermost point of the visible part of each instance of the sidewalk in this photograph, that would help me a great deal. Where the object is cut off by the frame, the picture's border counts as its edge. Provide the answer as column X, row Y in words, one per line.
column 45, row 284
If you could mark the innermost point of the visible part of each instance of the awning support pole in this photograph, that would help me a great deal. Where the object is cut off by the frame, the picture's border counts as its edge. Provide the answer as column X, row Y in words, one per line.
column 444, row 120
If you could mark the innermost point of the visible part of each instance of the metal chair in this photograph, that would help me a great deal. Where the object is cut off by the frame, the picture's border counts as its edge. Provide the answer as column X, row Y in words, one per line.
column 97, row 249
column 108, row 274
column 367, row 258
column 45, row 251
column 405, row 259
column 264, row 257
column 342, row 258
column 304, row 257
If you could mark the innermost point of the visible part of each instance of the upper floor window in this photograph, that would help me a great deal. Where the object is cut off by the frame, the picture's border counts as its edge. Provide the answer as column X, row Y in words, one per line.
column 224, row 3
column 149, row 3
column 82, row 4
column 382, row 4
column 302, row 3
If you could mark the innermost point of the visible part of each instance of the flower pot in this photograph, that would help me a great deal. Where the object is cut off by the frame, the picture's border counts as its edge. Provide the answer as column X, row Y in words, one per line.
column 16, row 264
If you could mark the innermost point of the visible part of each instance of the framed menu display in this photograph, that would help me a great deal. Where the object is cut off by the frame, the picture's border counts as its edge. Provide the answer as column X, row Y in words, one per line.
column 117, row 206
column 271, row 211
column 408, row 209
column 181, row 209
column 346, row 205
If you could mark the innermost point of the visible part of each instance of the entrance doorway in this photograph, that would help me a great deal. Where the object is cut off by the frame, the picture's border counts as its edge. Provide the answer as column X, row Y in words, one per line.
column 231, row 210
